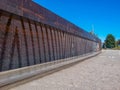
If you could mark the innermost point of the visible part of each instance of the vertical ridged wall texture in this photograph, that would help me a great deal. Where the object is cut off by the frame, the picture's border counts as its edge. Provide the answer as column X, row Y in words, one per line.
column 29, row 38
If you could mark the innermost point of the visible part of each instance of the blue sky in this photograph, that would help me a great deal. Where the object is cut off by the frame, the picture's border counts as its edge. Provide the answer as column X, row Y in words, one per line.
column 104, row 15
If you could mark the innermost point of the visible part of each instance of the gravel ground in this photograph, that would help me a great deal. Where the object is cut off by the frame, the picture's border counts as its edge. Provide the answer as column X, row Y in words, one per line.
column 98, row 73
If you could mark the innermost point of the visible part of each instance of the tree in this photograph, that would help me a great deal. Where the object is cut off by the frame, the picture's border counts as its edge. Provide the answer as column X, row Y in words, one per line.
column 118, row 42
column 110, row 41
column 104, row 46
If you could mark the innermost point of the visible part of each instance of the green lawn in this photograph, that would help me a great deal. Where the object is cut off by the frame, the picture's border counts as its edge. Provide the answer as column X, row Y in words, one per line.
column 117, row 48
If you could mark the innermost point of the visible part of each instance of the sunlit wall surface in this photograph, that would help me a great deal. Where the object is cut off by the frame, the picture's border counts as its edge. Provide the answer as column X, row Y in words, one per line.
column 31, row 34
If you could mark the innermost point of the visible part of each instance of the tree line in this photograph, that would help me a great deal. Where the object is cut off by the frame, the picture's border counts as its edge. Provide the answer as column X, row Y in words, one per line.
column 110, row 42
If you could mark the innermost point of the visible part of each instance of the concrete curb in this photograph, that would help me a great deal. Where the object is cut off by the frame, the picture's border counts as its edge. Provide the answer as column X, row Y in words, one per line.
column 15, row 75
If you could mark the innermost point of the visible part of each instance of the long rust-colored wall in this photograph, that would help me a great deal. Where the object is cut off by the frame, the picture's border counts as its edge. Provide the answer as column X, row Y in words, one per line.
column 31, row 34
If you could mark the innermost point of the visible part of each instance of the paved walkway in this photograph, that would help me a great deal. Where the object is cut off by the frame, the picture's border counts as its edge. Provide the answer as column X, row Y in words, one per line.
column 98, row 73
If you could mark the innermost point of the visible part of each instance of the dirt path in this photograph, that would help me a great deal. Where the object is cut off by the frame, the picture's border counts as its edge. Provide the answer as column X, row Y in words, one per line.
column 98, row 73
